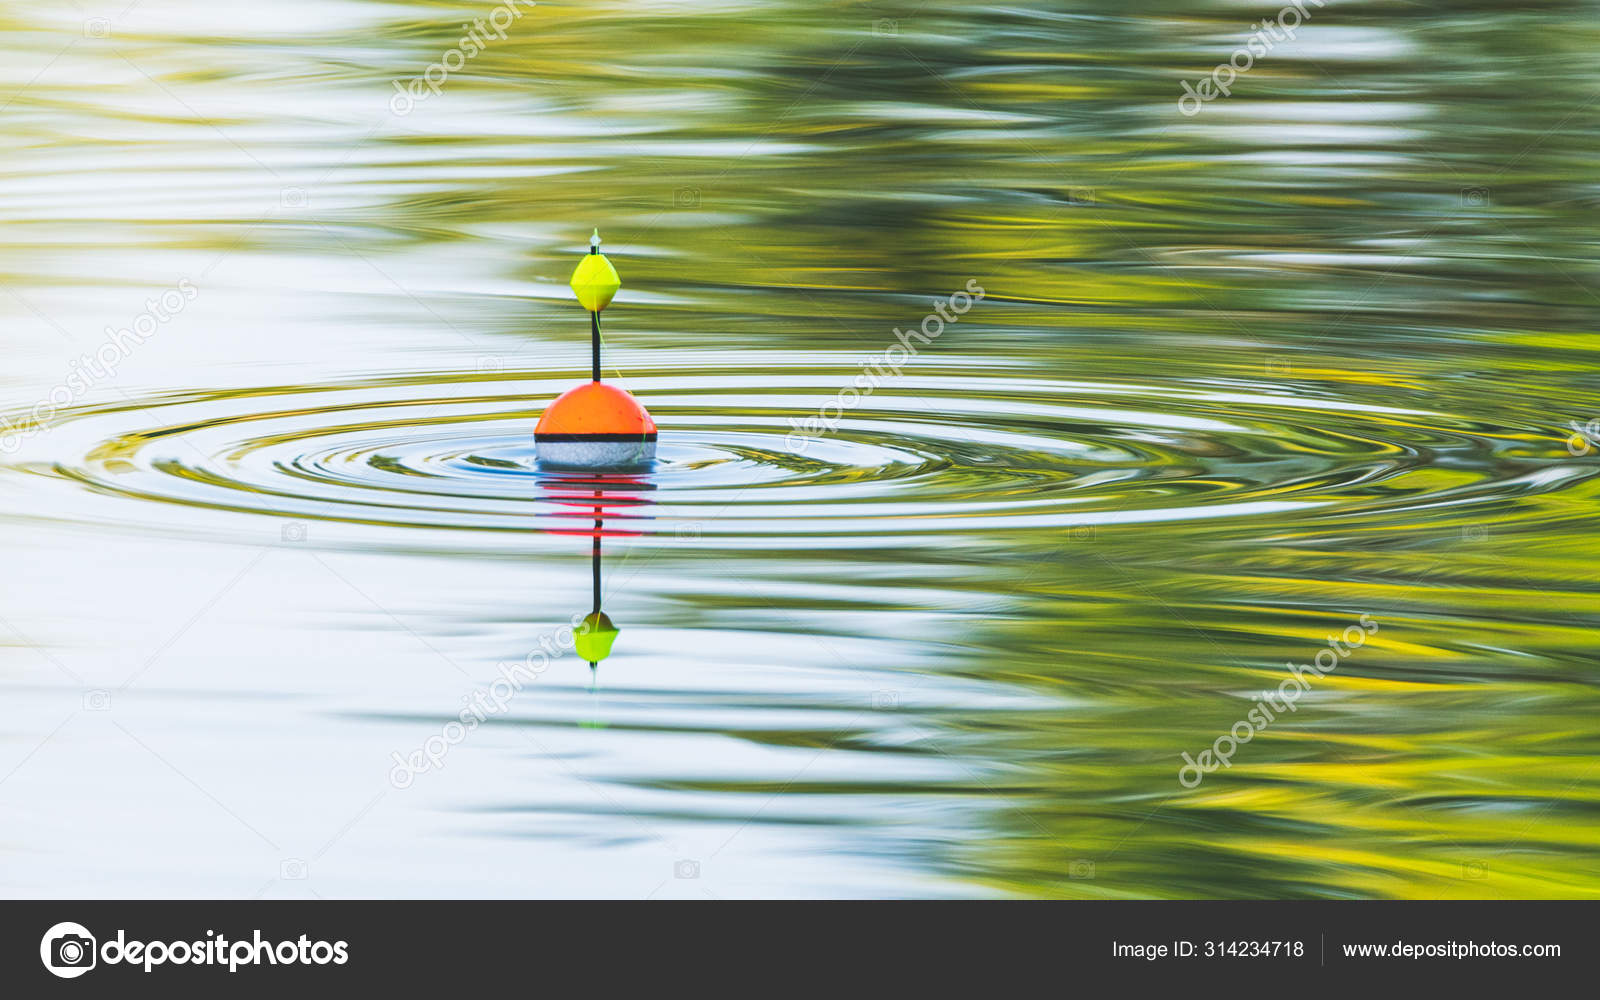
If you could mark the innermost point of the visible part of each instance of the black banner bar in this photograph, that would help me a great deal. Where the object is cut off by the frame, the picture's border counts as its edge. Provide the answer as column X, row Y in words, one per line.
column 175, row 946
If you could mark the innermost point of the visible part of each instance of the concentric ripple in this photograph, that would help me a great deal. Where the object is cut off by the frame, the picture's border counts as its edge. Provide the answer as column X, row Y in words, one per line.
column 935, row 453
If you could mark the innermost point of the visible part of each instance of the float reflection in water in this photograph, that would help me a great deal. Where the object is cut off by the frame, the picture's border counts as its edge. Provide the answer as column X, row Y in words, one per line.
column 593, row 499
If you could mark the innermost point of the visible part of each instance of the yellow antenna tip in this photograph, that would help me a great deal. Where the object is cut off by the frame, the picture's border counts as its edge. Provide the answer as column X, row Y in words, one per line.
column 594, row 279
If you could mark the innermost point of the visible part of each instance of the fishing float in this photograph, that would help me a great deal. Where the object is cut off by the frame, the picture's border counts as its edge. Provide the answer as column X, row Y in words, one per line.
column 595, row 426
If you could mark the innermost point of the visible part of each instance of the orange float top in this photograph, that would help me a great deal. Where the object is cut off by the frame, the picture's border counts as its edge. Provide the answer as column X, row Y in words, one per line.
column 595, row 408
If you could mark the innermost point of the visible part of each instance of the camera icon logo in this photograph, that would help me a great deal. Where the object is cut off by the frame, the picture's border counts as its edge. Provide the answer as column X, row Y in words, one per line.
column 686, row 197
column 1475, row 869
column 294, row 531
column 686, row 869
column 97, row 27
column 96, row 700
column 293, row 869
column 1584, row 438
column 886, row 27
column 1081, row 869
column 1474, row 197
column 293, row 197
column 67, row 950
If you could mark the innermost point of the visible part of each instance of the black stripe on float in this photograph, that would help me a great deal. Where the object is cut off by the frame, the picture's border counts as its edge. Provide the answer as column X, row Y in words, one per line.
column 594, row 437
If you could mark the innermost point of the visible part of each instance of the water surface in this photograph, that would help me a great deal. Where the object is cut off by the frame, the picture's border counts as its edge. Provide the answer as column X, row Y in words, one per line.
column 1322, row 350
